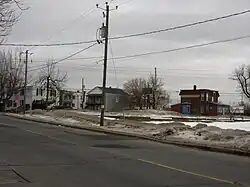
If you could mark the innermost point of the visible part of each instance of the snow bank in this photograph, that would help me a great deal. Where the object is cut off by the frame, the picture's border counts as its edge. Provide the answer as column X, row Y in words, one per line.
column 233, row 125
column 223, row 125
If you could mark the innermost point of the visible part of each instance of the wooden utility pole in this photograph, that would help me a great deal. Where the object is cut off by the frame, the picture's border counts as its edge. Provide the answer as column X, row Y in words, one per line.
column 25, row 81
column 83, row 92
column 154, row 90
column 47, row 93
column 105, row 65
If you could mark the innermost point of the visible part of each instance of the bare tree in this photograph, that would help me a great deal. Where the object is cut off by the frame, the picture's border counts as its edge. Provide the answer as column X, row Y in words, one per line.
column 156, row 97
column 51, row 78
column 135, row 88
column 160, row 95
column 11, row 75
column 242, row 76
column 8, row 16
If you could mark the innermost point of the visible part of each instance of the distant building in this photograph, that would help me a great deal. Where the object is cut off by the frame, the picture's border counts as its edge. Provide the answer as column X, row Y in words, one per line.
column 176, row 107
column 34, row 95
column 71, row 99
column 198, row 102
column 116, row 99
column 223, row 109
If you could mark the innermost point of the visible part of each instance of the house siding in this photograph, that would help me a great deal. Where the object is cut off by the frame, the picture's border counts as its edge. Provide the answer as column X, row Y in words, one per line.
column 116, row 102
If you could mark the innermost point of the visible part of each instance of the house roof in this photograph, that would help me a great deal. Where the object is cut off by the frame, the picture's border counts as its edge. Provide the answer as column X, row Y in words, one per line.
column 224, row 105
column 110, row 90
column 197, row 91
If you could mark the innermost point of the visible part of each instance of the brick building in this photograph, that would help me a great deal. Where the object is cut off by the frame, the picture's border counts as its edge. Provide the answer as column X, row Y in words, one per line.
column 199, row 102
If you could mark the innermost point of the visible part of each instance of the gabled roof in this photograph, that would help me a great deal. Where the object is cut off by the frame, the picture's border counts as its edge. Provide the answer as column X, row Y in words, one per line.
column 109, row 90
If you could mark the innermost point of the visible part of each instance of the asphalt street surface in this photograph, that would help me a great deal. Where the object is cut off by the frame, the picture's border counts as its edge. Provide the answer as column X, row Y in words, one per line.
column 35, row 155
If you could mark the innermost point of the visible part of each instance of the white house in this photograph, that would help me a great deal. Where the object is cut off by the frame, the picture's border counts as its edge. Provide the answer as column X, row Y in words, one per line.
column 33, row 93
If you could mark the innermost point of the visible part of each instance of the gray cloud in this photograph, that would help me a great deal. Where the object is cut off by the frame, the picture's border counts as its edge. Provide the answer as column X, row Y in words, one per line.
column 208, row 67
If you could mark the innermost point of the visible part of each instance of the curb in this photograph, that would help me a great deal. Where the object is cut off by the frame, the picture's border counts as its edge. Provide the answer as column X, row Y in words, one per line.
column 133, row 135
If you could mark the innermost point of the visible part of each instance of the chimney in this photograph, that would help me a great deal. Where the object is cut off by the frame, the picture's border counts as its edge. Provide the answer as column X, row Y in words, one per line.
column 195, row 87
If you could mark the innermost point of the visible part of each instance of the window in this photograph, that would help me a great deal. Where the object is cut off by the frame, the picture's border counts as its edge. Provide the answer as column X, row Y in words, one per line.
column 37, row 92
column 21, row 102
column 74, row 97
column 22, row 92
column 214, row 99
column 202, row 96
column 14, row 104
column 9, row 103
column 41, row 92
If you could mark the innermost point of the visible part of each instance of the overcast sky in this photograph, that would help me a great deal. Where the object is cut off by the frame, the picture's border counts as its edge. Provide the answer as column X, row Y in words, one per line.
column 207, row 67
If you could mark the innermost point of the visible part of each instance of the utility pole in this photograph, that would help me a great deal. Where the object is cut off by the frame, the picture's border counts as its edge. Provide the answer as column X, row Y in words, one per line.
column 105, row 65
column 47, row 94
column 25, row 80
column 155, row 87
column 83, row 92
column 104, row 32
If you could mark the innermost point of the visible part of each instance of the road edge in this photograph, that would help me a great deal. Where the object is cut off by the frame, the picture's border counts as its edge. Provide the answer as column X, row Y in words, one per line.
column 134, row 135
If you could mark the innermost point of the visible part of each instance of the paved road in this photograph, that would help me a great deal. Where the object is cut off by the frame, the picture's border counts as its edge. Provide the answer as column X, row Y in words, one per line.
column 35, row 155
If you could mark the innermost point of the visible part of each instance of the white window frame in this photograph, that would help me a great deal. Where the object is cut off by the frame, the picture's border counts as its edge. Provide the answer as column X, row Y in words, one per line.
column 202, row 97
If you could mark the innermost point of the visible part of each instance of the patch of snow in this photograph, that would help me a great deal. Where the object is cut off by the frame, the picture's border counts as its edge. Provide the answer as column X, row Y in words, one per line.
column 158, row 122
column 224, row 125
column 192, row 124
column 90, row 113
column 41, row 117
column 70, row 120
column 232, row 125
column 109, row 118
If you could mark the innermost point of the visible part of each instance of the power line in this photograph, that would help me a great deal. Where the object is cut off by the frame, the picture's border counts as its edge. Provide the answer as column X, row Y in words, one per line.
column 76, row 53
column 183, row 26
column 68, row 25
column 162, row 74
column 74, row 21
column 133, row 35
column 125, row 3
column 72, row 59
column 113, row 61
column 165, row 51
column 142, row 70
column 129, row 68
column 48, row 45
column 180, row 49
